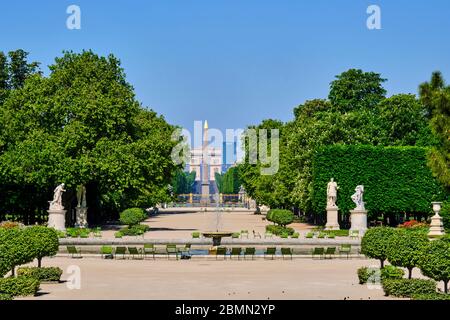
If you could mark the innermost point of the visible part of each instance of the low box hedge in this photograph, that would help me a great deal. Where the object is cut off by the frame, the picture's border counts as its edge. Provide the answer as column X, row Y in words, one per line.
column 279, row 230
column 135, row 230
column 365, row 273
column 19, row 287
column 385, row 273
column 5, row 297
column 406, row 288
column 41, row 274
column 431, row 296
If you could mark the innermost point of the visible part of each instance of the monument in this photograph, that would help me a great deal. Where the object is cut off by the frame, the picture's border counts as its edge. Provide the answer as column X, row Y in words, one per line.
column 81, row 209
column 56, row 211
column 204, row 169
column 436, row 225
column 358, row 216
column 332, row 208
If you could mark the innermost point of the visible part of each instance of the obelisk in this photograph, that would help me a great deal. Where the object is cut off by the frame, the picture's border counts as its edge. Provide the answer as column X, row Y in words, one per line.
column 205, row 167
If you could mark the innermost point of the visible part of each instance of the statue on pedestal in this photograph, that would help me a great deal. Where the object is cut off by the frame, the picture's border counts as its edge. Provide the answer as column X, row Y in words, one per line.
column 332, row 189
column 81, row 209
column 56, row 212
column 81, row 196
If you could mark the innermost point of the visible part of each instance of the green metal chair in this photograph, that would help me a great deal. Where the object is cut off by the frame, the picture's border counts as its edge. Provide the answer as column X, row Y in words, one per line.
column 186, row 249
column 120, row 251
column 249, row 252
column 268, row 235
column 72, row 250
column 221, row 251
column 244, row 233
column 149, row 249
column 172, row 249
column 97, row 232
column 345, row 249
column 135, row 253
column 270, row 252
column 354, row 234
column 318, row 252
column 106, row 251
column 331, row 251
column 286, row 252
column 236, row 252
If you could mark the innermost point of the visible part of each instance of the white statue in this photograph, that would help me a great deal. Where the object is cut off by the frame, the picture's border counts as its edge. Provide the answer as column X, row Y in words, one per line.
column 357, row 197
column 81, row 196
column 56, row 203
column 332, row 189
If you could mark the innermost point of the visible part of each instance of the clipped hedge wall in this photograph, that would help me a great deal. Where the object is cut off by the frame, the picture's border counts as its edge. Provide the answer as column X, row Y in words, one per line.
column 20, row 286
column 406, row 288
column 41, row 274
column 395, row 179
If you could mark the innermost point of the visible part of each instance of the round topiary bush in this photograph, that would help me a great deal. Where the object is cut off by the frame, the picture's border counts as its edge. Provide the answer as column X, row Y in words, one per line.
column 434, row 261
column 16, row 248
column 375, row 243
column 44, row 240
column 20, row 286
column 405, row 288
column 280, row 217
column 132, row 216
column 42, row 274
column 405, row 248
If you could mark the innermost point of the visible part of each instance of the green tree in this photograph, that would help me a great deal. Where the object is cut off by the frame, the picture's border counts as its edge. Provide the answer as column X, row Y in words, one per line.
column 83, row 125
column 435, row 95
column 44, row 240
column 405, row 248
column 434, row 261
column 355, row 89
column 19, row 68
column 375, row 243
column 16, row 249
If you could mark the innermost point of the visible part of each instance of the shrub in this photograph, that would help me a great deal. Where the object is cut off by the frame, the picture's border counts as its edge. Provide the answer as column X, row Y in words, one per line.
column 375, row 243
column 9, row 225
column 235, row 235
column 284, row 236
column 384, row 172
column 405, row 248
column 392, row 272
column 337, row 233
column 279, row 230
column 405, row 288
column 195, row 235
column 434, row 261
column 295, row 235
column 309, row 235
column 20, row 286
column 5, row 297
column 431, row 296
column 118, row 234
column 445, row 214
column 16, row 248
column 132, row 216
column 135, row 230
column 45, row 241
column 365, row 273
column 280, row 216
column 41, row 274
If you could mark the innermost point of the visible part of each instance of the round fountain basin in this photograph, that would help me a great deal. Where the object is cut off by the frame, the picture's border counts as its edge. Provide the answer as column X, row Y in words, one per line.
column 217, row 236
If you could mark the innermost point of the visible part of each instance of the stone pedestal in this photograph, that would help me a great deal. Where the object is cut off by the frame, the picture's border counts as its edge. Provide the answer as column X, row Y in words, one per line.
column 332, row 218
column 81, row 217
column 436, row 227
column 57, row 219
column 358, row 219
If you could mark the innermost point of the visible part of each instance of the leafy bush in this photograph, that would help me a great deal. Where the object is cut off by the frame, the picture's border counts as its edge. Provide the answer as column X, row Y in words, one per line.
column 397, row 179
column 431, row 296
column 295, row 235
column 434, row 261
column 392, row 272
column 280, row 216
column 337, row 233
column 20, row 286
column 41, row 274
column 375, row 243
column 405, row 248
column 235, row 235
column 135, row 230
column 5, row 297
column 279, row 230
column 16, row 248
column 445, row 214
column 118, row 234
column 405, row 288
column 309, row 235
column 195, row 235
column 365, row 273
column 45, row 241
column 284, row 236
column 132, row 216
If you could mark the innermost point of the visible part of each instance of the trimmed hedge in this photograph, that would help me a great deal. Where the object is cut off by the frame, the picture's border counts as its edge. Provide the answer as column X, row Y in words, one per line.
column 405, row 288
column 365, row 273
column 132, row 216
column 431, row 296
column 387, row 272
column 375, row 243
column 45, row 241
column 395, row 179
column 135, row 230
column 20, row 286
column 281, row 217
column 279, row 230
column 41, row 274
column 391, row 272
column 5, row 297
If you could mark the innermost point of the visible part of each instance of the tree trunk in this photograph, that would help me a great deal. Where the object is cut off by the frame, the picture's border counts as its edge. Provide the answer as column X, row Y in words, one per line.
column 410, row 273
column 446, row 286
column 13, row 271
column 382, row 263
column 39, row 262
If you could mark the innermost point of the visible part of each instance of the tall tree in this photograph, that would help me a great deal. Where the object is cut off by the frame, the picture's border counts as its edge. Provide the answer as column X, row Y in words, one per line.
column 435, row 95
column 355, row 89
column 19, row 68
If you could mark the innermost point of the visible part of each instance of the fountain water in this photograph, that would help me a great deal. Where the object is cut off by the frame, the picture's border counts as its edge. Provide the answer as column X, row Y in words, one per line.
column 217, row 225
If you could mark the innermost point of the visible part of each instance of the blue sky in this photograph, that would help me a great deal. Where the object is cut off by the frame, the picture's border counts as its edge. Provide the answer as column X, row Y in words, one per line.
column 238, row 62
